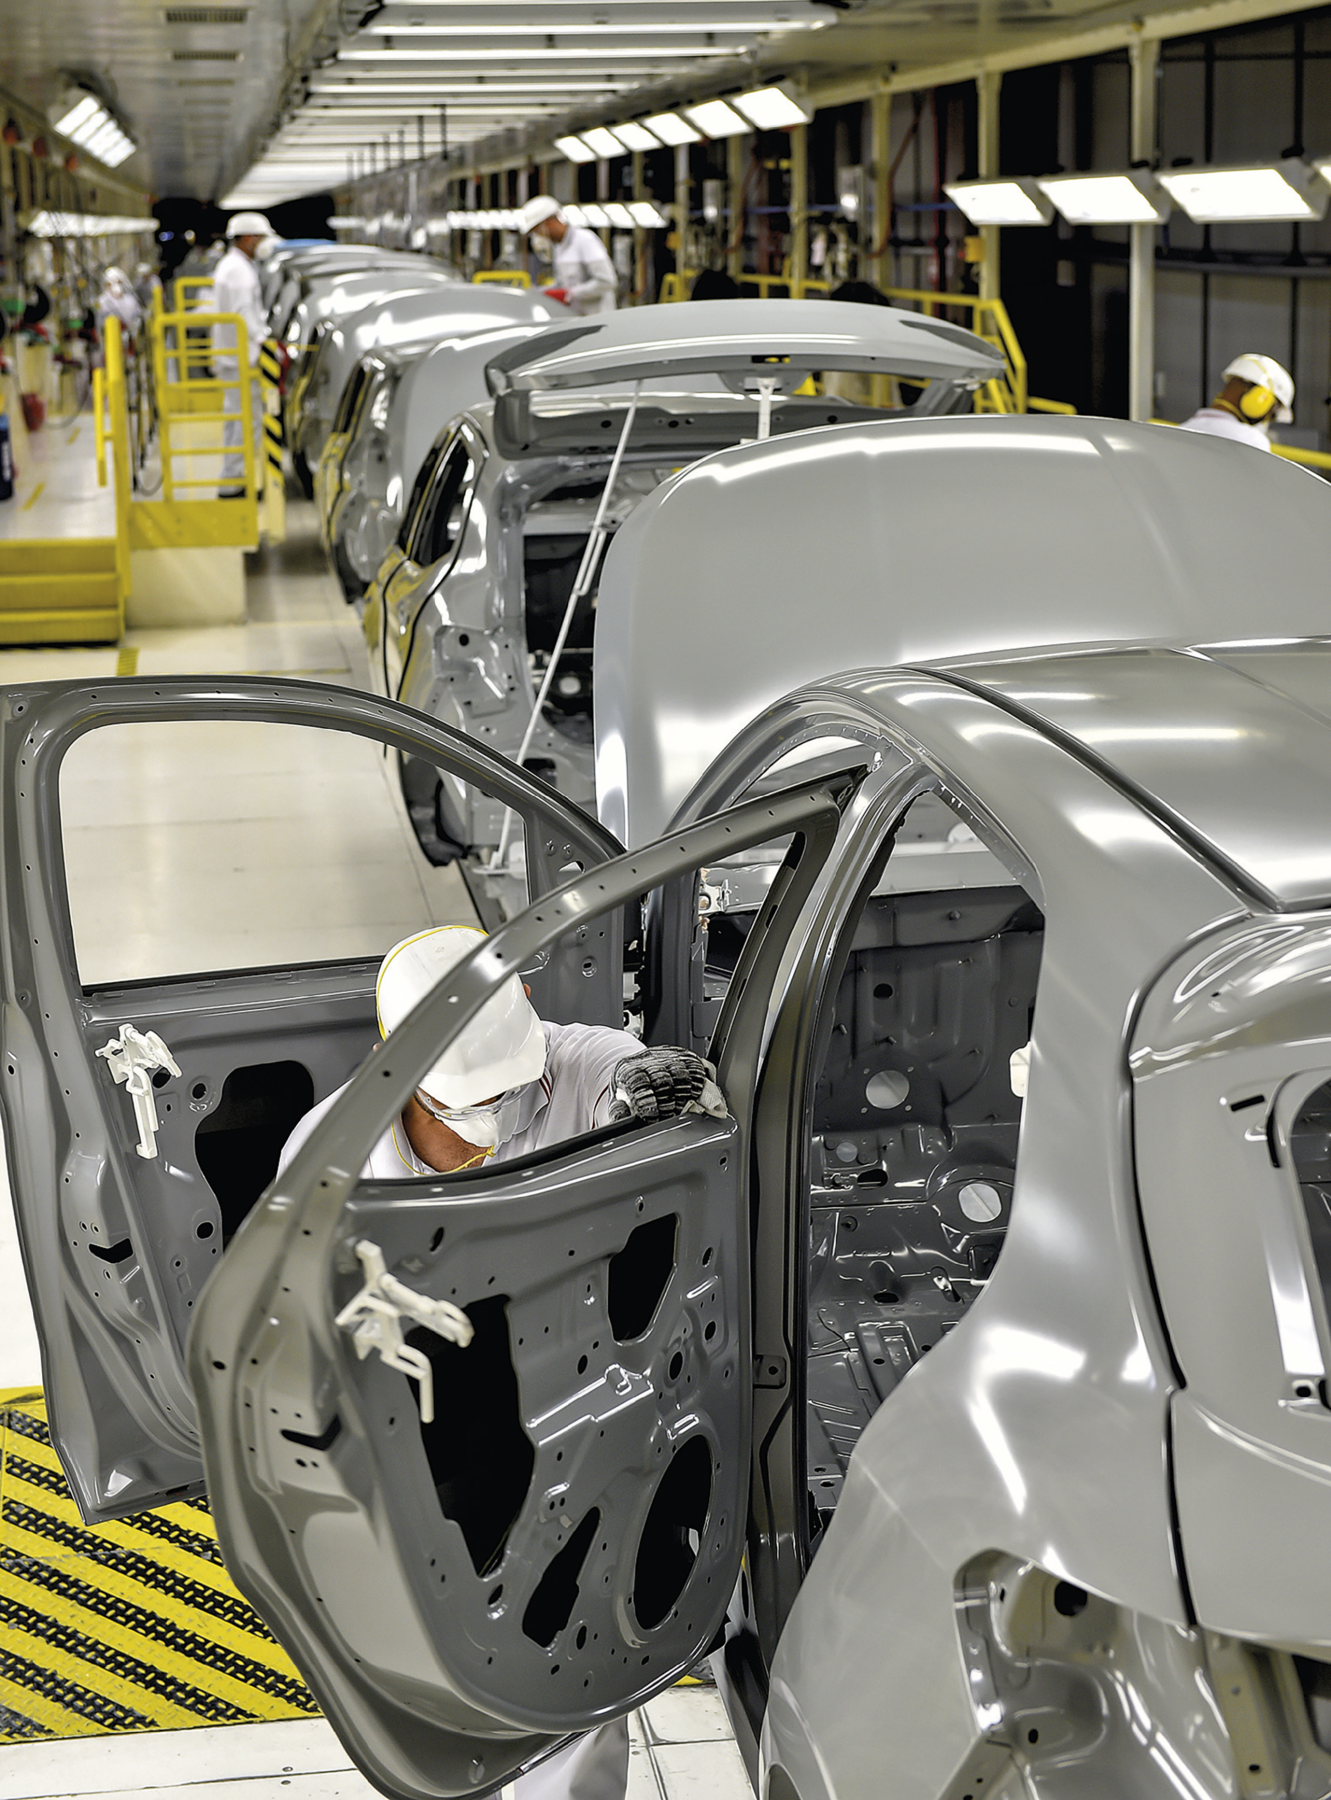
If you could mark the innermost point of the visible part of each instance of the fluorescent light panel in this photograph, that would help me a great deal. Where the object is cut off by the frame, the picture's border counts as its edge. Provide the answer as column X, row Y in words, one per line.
column 635, row 136
column 717, row 120
column 770, row 109
column 601, row 142
column 1016, row 202
column 574, row 149
column 1253, row 192
column 1134, row 198
column 672, row 130
column 483, row 53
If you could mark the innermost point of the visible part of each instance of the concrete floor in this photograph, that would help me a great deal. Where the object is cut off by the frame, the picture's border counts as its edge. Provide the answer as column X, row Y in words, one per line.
column 210, row 848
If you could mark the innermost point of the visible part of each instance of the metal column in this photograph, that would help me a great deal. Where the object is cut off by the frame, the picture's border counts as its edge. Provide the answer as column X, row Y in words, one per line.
column 988, row 85
column 799, row 206
column 879, row 267
column 736, row 163
column 1144, row 56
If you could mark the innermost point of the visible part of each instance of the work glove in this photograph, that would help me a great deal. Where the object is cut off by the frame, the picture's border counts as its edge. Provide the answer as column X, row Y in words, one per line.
column 663, row 1083
column 555, row 293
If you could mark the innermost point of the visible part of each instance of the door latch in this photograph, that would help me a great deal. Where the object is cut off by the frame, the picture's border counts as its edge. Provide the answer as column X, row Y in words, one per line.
column 374, row 1319
column 131, row 1057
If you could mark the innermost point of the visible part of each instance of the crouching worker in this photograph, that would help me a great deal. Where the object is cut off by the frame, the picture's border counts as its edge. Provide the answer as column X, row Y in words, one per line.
column 510, row 1084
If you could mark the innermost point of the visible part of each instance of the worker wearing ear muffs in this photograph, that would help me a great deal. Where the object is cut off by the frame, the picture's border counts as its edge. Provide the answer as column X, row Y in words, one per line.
column 1257, row 394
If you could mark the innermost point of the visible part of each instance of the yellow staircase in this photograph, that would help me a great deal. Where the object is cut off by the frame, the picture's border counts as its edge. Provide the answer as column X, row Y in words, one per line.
column 60, row 591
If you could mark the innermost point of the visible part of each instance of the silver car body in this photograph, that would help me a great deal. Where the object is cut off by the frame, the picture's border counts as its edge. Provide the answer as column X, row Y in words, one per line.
column 369, row 468
column 1057, row 530
column 299, row 280
column 453, row 625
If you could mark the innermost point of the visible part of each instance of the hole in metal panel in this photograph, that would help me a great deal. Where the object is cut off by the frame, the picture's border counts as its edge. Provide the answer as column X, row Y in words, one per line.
column 668, row 1547
column 551, row 1605
column 639, row 1275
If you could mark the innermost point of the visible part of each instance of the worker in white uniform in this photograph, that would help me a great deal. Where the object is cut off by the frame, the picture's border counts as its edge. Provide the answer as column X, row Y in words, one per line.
column 236, row 290
column 1257, row 394
column 118, row 299
column 510, row 1084
column 584, row 274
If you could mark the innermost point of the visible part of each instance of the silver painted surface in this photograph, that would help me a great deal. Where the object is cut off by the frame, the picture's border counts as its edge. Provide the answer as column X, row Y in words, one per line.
column 401, row 321
column 652, row 343
column 935, row 538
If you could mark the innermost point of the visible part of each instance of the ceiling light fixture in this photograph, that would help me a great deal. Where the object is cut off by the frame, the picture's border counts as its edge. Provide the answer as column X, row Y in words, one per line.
column 1132, row 198
column 635, row 136
column 619, row 215
column 717, row 120
column 1251, row 191
column 601, row 142
column 1003, row 202
column 672, row 130
column 650, row 217
column 771, row 109
column 574, row 149
column 82, row 118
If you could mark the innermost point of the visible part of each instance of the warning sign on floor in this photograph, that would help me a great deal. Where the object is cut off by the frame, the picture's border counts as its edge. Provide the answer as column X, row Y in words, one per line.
column 132, row 1626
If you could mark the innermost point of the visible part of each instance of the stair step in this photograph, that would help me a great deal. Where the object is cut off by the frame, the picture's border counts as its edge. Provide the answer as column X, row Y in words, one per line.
column 37, row 594
column 39, row 557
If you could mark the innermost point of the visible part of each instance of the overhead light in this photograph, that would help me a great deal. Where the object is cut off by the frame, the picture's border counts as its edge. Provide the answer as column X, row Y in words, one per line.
column 470, row 53
column 574, row 149
column 717, row 120
column 529, row 27
column 596, row 216
column 770, row 109
column 72, row 225
column 1018, row 202
column 672, row 130
column 601, row 142
column 634, row 136
column 86, row 121
column 619, row 214
column 648, row 216
column 1134, row 198
column 1252, row 191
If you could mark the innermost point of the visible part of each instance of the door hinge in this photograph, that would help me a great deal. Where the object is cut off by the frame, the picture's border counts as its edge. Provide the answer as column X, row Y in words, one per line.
column 374, row 1319
column 132, row 1056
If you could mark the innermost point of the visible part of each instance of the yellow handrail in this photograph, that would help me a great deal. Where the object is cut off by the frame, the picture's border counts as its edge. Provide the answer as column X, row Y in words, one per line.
column 989, row 319
column 1312, row 459
column 117, row 406
column 99, row 422
column 188, row 289
column 510, row 277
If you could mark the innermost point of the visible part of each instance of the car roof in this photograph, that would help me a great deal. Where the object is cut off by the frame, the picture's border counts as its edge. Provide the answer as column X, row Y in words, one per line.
column 1227, row 745
column 926, row 540
column 454, row 309
column 785, row 339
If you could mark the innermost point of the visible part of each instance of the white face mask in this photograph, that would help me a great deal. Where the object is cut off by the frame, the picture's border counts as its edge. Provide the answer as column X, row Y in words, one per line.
column 487, row 1127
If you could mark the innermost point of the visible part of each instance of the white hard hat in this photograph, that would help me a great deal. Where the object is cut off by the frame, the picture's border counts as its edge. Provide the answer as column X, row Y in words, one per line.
column 1265, row 372
column 248, row 224
column 116, row 275
column 538, row 210
column 503, row 1047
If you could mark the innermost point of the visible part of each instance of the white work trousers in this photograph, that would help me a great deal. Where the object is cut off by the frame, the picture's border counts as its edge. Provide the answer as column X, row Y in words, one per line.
column 233, row 465
column 595, row 1768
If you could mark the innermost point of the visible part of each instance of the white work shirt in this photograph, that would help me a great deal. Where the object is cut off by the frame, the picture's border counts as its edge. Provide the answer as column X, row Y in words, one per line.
column 236, row 290
column 584, row 270
column 1219, row 423
column 572, row 1096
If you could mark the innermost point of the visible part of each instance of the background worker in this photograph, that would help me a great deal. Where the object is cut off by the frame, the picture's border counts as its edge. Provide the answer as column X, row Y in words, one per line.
column 1257, row 394
column 507, row 1085
column 584, row 274
column 236, row 290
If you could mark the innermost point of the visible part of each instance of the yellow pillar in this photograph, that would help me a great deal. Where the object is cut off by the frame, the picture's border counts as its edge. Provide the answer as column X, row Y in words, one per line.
column 799, row 206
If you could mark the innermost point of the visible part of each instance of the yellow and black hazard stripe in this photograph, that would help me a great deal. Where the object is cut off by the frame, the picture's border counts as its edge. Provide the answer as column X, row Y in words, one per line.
column 273, row 439
column 132, row 1626
column 270, row 363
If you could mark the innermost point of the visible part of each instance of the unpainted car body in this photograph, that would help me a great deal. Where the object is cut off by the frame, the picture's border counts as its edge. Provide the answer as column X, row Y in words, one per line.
column 388, row 421
column 398, row 323
column 467, row 607
column 992, row 1433
column 299, row 274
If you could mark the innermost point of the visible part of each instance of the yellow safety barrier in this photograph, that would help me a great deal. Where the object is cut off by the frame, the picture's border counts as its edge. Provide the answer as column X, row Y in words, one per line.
column 676, row 285
column 989, row 320
column 1311, row 459
column 194, row 408
column 99, row 422
column 118, row 409
column 509, row 277
column 274, row 438
column 190, row 296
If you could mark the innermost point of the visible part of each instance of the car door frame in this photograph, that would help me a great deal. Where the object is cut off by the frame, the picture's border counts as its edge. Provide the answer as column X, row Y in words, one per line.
column 265, row 1352
column 69, row 1143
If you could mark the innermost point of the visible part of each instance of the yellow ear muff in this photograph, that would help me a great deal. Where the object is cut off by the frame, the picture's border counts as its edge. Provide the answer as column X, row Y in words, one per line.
column 1257, row 403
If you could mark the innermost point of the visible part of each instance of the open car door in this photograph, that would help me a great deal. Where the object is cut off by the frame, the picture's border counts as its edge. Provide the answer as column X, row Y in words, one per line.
column 121, row 1226
column 473, row 1549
